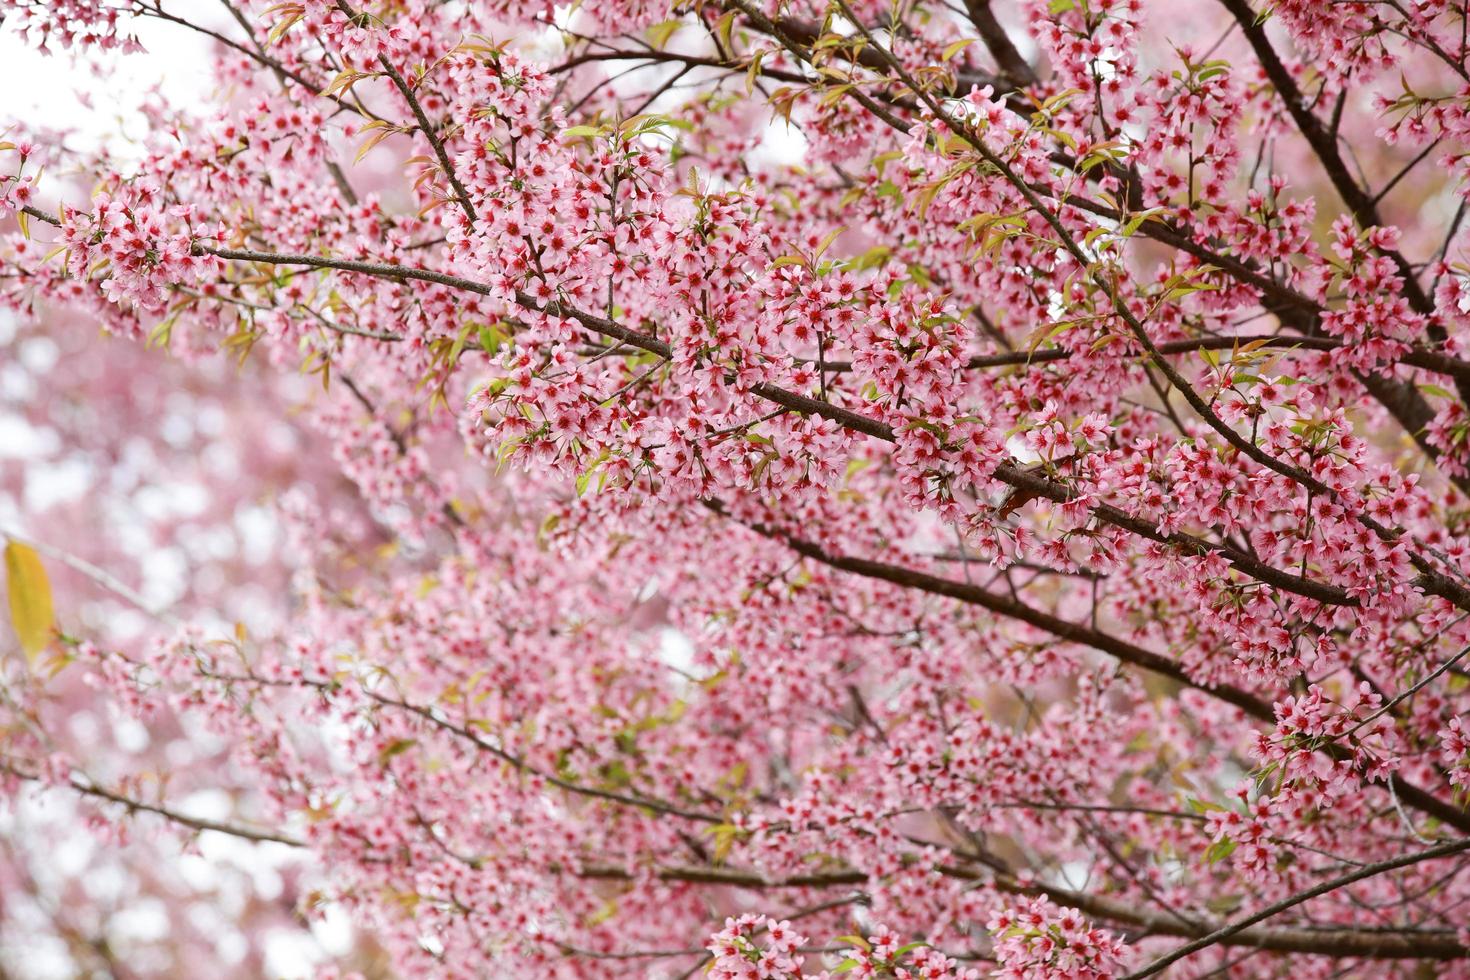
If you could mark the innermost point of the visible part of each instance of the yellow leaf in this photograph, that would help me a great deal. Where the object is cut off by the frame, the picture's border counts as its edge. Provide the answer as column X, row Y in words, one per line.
column 342, row 84
column 957, row 47
column 30, row 598
column 608, row 910
column 659, row 34
column 294, row 12
column 723, row 27
column 753, row 71
column 371, row 142
column 827, row 241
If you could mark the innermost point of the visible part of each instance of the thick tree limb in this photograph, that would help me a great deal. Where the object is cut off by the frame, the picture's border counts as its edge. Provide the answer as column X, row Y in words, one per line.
column 1017, row 69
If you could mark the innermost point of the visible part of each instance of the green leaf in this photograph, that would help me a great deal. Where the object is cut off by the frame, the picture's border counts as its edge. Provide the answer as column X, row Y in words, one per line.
column 1137, row 220
column 396, row 747
column 31, row 611
column 1224, row 904
column 659, row 34
column 1220, row 850
column 1040, row 337
column 753, row 72
column 377, row 137
column 725, row 835
column 956, row 47
column 724, row 26
column 1201, row 806
column 608, row 910
column 827, row 241
column 491, row 339
column 160, row 335
column 872, row 258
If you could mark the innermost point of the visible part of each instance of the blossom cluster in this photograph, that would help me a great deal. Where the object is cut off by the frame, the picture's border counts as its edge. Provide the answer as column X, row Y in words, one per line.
column 938, row 489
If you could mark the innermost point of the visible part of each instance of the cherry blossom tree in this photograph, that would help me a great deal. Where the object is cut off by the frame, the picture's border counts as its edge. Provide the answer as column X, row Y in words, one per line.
column 748, row 489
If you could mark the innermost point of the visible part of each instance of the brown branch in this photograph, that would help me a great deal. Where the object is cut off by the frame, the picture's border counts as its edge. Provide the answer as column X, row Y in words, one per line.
column 1401, row 399
column 1433, row 580
column 424, row 125
column 1417, row 357
column 1016, row 68
column 1010, row 608
column 1323, row 142
column 1027, row 481
column 1345, row 942
column 173, row 816
column 261, row 58
column 1017, row 477
column 1416, row 796
column 1240, row 926
column 509, row 758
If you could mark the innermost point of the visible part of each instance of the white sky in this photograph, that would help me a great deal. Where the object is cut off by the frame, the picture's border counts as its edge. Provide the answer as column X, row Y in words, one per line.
column 45, row 89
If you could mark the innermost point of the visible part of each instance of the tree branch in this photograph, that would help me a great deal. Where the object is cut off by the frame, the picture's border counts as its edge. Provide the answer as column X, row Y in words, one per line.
column 1235, row 929
column 171, row 815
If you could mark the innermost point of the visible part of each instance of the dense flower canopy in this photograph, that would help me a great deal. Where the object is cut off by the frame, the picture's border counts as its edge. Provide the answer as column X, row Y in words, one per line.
column 746, row 488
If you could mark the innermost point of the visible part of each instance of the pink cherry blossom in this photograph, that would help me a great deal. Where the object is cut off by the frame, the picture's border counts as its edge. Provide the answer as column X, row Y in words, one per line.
column 751, row 489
